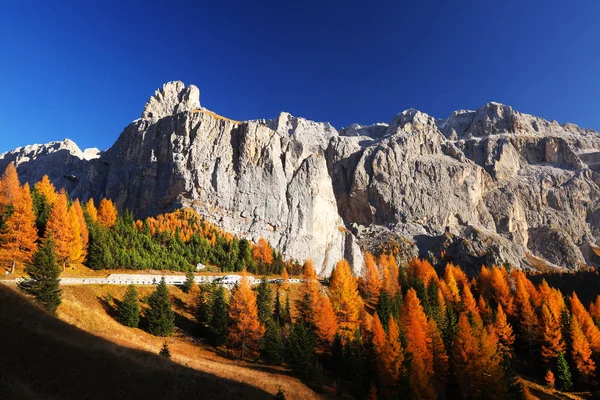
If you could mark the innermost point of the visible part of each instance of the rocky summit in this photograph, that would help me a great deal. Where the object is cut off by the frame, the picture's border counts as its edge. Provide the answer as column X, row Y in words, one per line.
column 490, row 186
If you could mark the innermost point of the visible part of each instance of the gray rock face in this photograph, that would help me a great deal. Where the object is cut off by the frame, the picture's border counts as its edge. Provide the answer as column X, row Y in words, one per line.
column 488, row 186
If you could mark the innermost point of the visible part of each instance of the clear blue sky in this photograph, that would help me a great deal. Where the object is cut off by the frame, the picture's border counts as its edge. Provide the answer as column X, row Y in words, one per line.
column 84, row 69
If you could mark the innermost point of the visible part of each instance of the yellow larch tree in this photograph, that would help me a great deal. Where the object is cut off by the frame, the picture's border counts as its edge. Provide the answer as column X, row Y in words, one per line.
column 18, row 239
column 345, row 297
column 91, row 210
column 59, row 228
column 107, row 213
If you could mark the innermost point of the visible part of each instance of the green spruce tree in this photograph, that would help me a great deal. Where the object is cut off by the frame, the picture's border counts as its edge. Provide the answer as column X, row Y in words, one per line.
column 264, row 301
column 164, row 351
column 300, row 351
column 219, row 320
column 204, row 305
column 272, row 345
column 160, row 315
column 190, row 280
column 565, row 379
column 280, row 394
column 129, row 309
column 43, row 281
column 277, row 308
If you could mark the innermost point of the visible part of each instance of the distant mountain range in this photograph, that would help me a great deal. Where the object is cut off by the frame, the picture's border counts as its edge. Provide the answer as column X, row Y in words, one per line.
column 491, row 186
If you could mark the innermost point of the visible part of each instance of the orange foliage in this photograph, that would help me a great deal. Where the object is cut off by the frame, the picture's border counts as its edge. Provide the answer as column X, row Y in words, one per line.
column 500, row 290
column 107, row 213
column 390, row 274
column 10, row 188
column 47, row 189
column 549, row 378
column 503, row 331
column 325, row 319
column 582, row 353
column 19, row 237
column 286, row 279
column 262, row 252
column 345, row 298
column 92, row 212
column 421, row 269
column 370, row 282
column 83, row 230
column 590, row 330
column 59, row 227
column 552, row 341
column 245, row 331
column 76, row 249
column 595, row 308
column 414, row 322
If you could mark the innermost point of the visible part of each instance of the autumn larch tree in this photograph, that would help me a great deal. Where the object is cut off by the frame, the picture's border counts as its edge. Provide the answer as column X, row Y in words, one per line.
column 589, row 328
column 325, row 320
column 370, row 282
column 10, row 188
column 18, row 238
column 552, row 341
column 76, row 250
column 91, row 210
column 83, row 230
column 503, row 331
column 581, row 351
column 43, row 281
column 262, row 252
column 345, row 297
column 59, row 228
column 414, row 322
column 129, row 308
column 44, row 195
column 285, row 278
column 160, row 314
column 245, row 330
column 107, row 213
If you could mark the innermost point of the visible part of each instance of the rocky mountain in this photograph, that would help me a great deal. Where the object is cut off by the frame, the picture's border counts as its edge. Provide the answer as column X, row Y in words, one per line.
column 490, row 186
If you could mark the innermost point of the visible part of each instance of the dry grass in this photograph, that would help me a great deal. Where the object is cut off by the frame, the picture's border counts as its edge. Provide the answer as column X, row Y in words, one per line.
column 542, row 392
column 83, row 307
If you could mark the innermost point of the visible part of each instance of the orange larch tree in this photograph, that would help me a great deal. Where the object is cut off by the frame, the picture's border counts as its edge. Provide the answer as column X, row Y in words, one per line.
column 440, row 357
column 370, row 282
column 500, row 289
column 345, row 297
column 286, row 278
column 85, row 234
column 10, row 188
column 45, row 188
column 528, row 320
column 419, row 344
column 393, row 356
column 552, row 340
column 581, row 351
column 503, row 331
column 76, row 249
column 589, row 328
column 595, row 310
column 245, row 331
column 18, row 239
column 59, row 228
column 262, row 252
column 91, row 210
column 107, row 213
column 325, row 319
column 390, row 274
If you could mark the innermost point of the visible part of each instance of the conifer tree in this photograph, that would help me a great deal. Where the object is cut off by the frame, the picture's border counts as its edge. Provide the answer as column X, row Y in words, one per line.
column 129, row 309
column 277, row 307
column 325, row 320
column 272, row 344
column 581, row 351
column 280, row 395
column 59, row 228
column 219, row 317
column 76, row 250
column 264, row 301
column 586, row 323
column 43, row 281
column 552, row 341
column 345, row 298
column 262, row 252
column 286, row 279
column 18, row 238
column 107, row 213
column 164, row 351
column 503, row 331
column 370, row 282
column 300, row 353
column 245, row 330
column 286, row 315
column 10, row 188
column 160, row 315
column 549, row 378
column 564, row 377
column 190, row 280
column 91, row 210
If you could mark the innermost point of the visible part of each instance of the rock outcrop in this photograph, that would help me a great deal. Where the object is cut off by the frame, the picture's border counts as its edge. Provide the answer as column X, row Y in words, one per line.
column 489, row 186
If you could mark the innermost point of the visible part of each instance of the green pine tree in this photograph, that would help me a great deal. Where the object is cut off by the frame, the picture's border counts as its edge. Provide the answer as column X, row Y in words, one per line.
column 164, row 351
column 129, row 309
column 280, row 394
column 190, row 279
column 300, row 351
column 272, row 345
column 160, row 315
column 565, row 381
column 286, row 315
column 219, row 320
column 277, row 308
column 264, row 301
column 43, row 281
column 384, row 309
column 204, row 305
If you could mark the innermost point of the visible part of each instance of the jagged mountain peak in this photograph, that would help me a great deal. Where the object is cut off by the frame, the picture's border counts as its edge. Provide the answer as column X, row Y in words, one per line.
column 174, row 97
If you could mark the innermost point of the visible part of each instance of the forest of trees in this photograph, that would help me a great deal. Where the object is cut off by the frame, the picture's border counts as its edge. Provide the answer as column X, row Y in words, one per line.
column 398, row 331
column 103, row 239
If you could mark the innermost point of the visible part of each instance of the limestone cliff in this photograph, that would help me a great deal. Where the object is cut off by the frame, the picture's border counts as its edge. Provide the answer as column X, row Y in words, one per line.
column 485, row 186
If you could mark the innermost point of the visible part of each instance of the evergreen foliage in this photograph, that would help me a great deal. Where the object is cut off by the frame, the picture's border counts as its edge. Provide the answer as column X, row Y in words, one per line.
column 160, row 315
column 189, row 282
column 164, row 351
column 219, row 317
column 272, row 344
column 264, row 301
column 129, row 309
column 564, row 378
column 43, row 281
column 280, row 395
column 300, row 351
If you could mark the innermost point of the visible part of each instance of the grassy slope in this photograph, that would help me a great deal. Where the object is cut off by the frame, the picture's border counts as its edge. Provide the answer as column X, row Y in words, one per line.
column 90, row 308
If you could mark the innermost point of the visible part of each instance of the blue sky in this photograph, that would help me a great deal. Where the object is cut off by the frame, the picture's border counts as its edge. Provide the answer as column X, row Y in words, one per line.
column 84, row 69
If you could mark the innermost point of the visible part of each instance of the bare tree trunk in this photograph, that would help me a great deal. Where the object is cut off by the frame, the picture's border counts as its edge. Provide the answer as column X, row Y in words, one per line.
column 12, row 270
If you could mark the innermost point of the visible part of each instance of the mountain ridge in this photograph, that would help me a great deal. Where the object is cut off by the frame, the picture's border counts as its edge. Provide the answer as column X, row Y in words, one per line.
column 490, row 185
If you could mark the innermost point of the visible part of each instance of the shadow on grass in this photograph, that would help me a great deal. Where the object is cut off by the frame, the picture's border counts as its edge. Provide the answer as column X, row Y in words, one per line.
column 44, row 357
